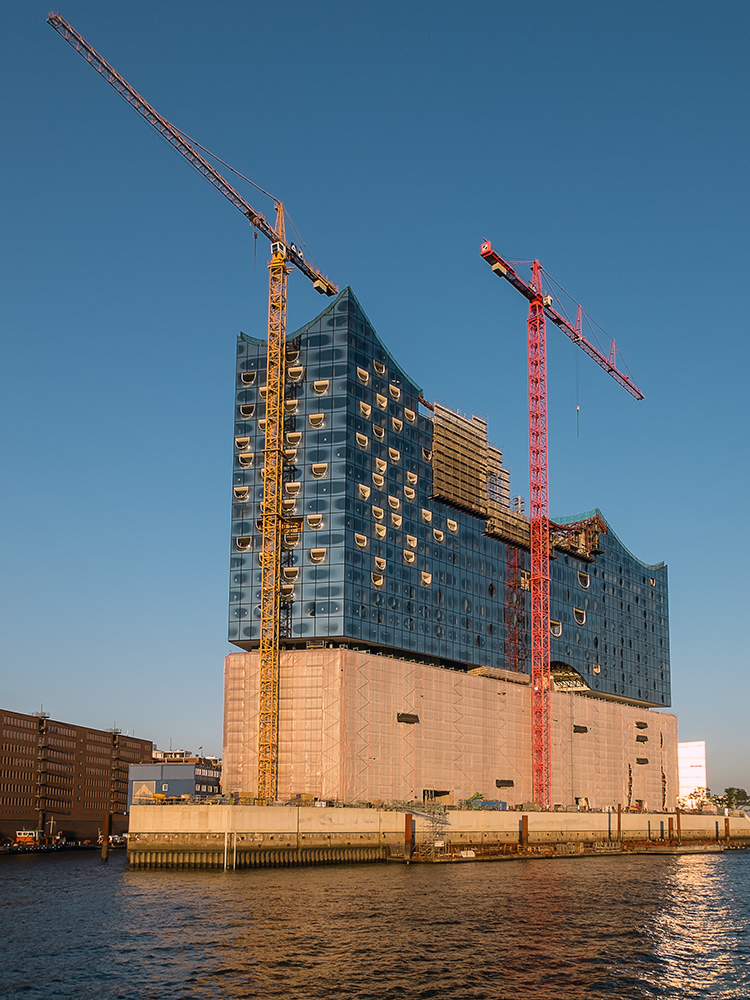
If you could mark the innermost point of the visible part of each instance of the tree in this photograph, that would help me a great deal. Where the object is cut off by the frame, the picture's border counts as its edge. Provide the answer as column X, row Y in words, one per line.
column 736, row 798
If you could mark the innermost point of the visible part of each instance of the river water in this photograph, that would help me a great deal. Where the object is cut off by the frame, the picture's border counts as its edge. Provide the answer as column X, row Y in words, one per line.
column 614, row 927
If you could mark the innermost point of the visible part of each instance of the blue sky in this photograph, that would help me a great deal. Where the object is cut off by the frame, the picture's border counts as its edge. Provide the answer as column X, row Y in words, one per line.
column 608, row 140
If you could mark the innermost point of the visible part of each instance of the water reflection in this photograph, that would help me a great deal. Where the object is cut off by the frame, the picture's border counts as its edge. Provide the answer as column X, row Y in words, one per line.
column 585, row 928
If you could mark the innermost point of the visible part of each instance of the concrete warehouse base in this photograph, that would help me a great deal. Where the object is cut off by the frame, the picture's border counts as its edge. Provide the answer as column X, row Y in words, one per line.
column 218, row 836
column 359, row 727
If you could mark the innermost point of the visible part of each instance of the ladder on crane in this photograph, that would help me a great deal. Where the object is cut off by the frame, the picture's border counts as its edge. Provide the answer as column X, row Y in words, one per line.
column 541, row 309
column 282, row 256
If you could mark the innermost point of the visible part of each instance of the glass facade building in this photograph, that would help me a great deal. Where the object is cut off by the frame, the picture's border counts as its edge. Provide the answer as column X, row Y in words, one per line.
column 408, row 545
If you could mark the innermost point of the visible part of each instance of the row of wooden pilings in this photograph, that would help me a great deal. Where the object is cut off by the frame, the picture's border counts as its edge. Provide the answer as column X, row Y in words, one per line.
column 281, row 858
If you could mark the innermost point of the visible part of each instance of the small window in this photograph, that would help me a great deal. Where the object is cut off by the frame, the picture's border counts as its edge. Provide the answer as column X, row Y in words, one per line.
column 641, row 738
column 452, row 526
column 377, row 513
column 262, row 425
column 362, row 441
column 426, row 516
column 409, row 556
column 411, row 541
column 379, row 563
column 555, row 629
column 410, row 415
column 364, row 492
column 378, row 480
column 295, row 374
column 597, row 669
column 394, row 454
column 580, row 729
column 380, row 465
column 525, row 579
column 290, row 573
column 652, row 581
column 317, row 555
column 315, row 521
column 439, row 536
column 409, row 493
column 244, row 542
column 246, row 459
column 394, row 391
column 316, row 419
column 242, row 444
column 641, row 760
column 247, row 410
column 247, row 378
column 584, row 580
column 397, row 424
column 292, row 489
column 319, row 470
column 397, row 520
column 379, row 432
column 426, row 579
column 427, row 454
column 380, row 531
column 394, row 503
column 363, row 375
column 377, row 579
column 263, row 392
column 411, row 477
column 320, row 388
column 361, row 541
column 290, row 405
column 241, row 493
column 580, row 615
column 379, row 367
column 381, row 401
column 410, row 718
column 365, row 409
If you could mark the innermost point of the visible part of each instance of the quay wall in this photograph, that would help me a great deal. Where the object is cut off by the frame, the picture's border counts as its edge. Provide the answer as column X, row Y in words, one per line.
column 237, row 836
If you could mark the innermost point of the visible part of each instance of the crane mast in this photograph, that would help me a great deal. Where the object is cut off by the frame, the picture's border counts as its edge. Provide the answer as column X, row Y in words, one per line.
column 282, row 256
column 540, row 309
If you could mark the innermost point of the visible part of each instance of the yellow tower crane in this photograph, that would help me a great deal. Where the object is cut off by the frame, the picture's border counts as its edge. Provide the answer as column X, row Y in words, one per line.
column 282, row 256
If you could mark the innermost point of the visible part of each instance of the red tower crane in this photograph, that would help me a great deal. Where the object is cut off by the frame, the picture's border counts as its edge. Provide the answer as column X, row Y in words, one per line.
column 540, row 309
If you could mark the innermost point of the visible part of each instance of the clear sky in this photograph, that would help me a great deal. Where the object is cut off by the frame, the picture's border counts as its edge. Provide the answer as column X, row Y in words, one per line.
column 608, row 140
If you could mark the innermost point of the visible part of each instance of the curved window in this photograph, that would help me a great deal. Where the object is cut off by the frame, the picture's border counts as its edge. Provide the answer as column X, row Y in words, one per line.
column 410, row 415
column 438, row 535
column 292, row 489
column 363, row 375
column 320, row 388
column 377, row 579
column 379, row 432
column 452, row 526
column 262, row 425
column 379, row 367
column 291, row 539
column 408, row 557
column 411, row 477
column 411, row 541
column 293, row 438
column 379, row 563
column 361, row 541
column 241, row 493
column 397, row 520
column 295, row 374
column 364, row 492
column 394, row 503
column 319, row 470
column 362, row 441
column 381, row 401
column 380, row 465
column 317, row 555
column 242, row 444
column 394, row 454
column 380, row 531
column 597, row 669
column 247, row 378
column 246, row 459
column 365, row 409
column 584, row 579
column 290, row 573
column 426, row 516
column 286, row 591
column 290, row 405
column 377, row 513
column 580, row 615
column 394, row 391
column 263, row 391
column 397, row 424
column 315, row 521
column 427, row 454
column 244, row 542
column 409, row 493
column 378, row 480
column 426, row 579
column 288, row 507
column 247, row 410
column 555, row 629
column 316, row 419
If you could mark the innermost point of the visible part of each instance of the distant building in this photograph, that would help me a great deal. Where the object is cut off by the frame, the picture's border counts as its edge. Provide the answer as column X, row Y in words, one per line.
column 58, row 777
column 172, row 777
column 691, row 762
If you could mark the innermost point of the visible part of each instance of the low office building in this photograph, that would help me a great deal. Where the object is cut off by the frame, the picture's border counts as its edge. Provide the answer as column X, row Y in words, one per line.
column 199, row 777
column 60, row 778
